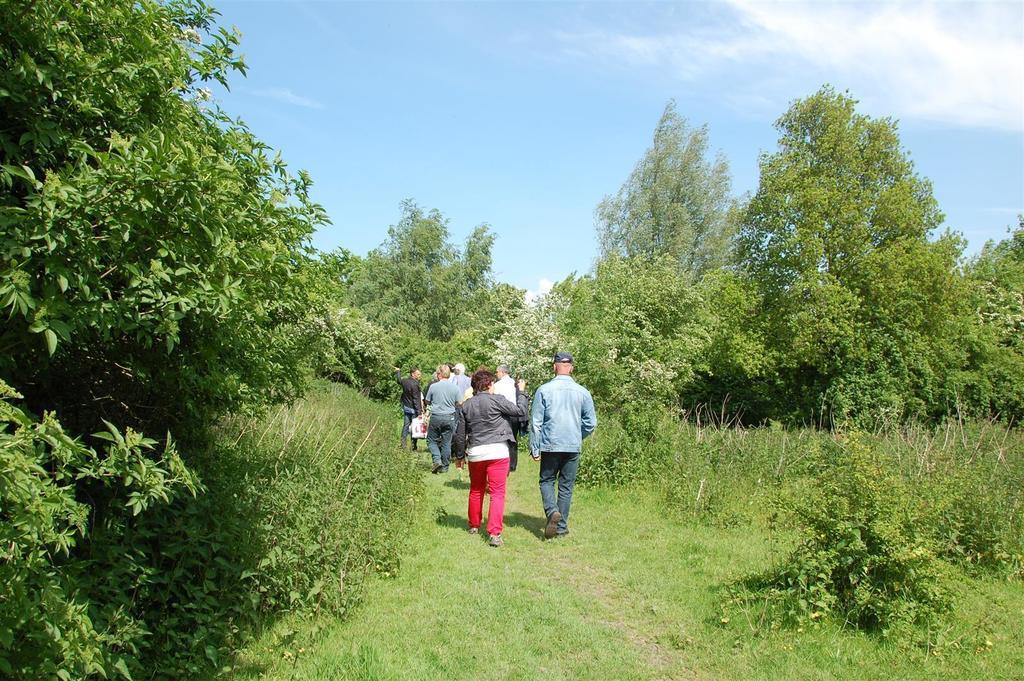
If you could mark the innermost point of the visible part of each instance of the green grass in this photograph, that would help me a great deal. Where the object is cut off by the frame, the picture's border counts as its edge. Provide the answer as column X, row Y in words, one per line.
column 633, row 593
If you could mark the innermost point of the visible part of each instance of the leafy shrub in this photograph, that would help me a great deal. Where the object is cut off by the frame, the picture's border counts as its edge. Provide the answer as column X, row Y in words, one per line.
column 301, row 505
column 977, row 521
column 143, row 580
column 860, row 555
column 969, row 482
column 638, row 329
column 632, row 447
column 60, row 616
column 530, row 336
column 140, row 222
column 352, row 349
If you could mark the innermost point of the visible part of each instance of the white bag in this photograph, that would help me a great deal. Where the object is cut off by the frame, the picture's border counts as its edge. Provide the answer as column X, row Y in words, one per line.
column 418, row 428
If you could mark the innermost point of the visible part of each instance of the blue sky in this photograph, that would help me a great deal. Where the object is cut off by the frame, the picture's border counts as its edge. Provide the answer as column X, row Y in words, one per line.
column 525, row 115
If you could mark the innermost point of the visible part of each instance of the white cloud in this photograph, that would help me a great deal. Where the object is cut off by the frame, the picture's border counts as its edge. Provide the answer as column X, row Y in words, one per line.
column 955, row 63
column 543, row 288
column 283, row 94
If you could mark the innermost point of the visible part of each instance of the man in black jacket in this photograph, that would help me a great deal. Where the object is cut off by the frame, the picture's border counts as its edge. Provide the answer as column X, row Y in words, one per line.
column 412, row 400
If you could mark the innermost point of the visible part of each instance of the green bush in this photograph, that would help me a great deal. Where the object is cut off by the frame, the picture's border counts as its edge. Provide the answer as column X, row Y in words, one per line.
column 969, row 481
column 61, row 505
column 301, row 506
column 629, row 448
column 327, row 493
column 351, row 349
column 861, row 555
column 638, row 330
column 977, row 521
column 140, row 222
column 137, row 578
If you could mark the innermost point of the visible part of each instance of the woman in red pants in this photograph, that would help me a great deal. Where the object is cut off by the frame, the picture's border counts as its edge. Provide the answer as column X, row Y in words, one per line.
column 488, row 432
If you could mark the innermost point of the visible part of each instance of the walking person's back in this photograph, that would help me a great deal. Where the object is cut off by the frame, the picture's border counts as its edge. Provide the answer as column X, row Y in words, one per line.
column 562, row 416
column 442, row 397
column 488, row 434
column 412, row 400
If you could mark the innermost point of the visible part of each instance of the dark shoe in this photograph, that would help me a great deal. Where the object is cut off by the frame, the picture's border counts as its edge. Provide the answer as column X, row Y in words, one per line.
column 551, row 529
column 436, row 469
column 496, row 540
column 561, row 535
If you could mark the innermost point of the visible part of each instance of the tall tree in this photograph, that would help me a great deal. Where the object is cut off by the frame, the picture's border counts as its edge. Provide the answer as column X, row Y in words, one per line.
column 418, row 280
column 862, row 309
column 675, row 203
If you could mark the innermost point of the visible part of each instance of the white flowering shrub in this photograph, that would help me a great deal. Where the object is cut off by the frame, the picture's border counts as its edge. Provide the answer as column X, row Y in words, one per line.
column 349, row 348
column 530, row 338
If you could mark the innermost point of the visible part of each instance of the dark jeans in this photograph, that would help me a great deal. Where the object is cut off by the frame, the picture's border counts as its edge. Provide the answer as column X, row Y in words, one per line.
column 560, row 466
column 513, row 447
column 408, row 416
column 439, row 439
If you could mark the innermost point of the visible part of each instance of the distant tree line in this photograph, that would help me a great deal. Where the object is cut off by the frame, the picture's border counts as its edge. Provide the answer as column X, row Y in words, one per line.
column 829, row 295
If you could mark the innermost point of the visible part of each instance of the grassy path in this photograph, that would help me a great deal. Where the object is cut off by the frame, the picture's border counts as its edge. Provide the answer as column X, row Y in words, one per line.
column 630, row 594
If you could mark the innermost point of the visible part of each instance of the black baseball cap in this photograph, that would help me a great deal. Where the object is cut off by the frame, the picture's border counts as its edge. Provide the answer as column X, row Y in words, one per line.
column 563, row 357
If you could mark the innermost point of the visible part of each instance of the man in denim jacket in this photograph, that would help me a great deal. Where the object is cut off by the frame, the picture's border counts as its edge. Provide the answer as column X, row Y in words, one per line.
column 562, row 416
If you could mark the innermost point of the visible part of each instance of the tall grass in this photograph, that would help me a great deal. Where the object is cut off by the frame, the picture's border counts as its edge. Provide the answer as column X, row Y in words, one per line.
column 327, row 493
column 966, row 478
column 300, row 505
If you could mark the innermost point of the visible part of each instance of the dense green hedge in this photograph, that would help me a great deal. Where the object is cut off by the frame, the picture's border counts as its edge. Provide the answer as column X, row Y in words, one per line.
column 149, row 243
column 159, row 576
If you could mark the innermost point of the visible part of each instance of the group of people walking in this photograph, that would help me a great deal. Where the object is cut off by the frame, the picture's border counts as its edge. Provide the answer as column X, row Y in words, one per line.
column 478, row 418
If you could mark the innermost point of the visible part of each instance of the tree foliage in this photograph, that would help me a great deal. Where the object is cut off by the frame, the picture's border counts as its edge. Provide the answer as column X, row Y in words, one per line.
column 527, row 338
column 996, row 371
column 675, row 203
column 49, row 625
column 862, row 309
column 151, row 253
column 149, row 241
column 639, row 329
column 418, row 281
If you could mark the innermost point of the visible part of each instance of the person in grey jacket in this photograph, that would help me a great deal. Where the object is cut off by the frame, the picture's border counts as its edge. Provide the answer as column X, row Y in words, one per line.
column 442, row 397
column 488, row 433
column 562, row 416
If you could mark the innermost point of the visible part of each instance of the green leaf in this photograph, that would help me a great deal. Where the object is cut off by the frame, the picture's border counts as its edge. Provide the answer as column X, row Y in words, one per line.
column 24, row 172
column 122, row 668
column 51, row 340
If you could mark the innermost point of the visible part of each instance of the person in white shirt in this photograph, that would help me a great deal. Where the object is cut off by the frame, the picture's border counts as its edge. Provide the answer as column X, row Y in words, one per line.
column 460, row 378
column 506, row 387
